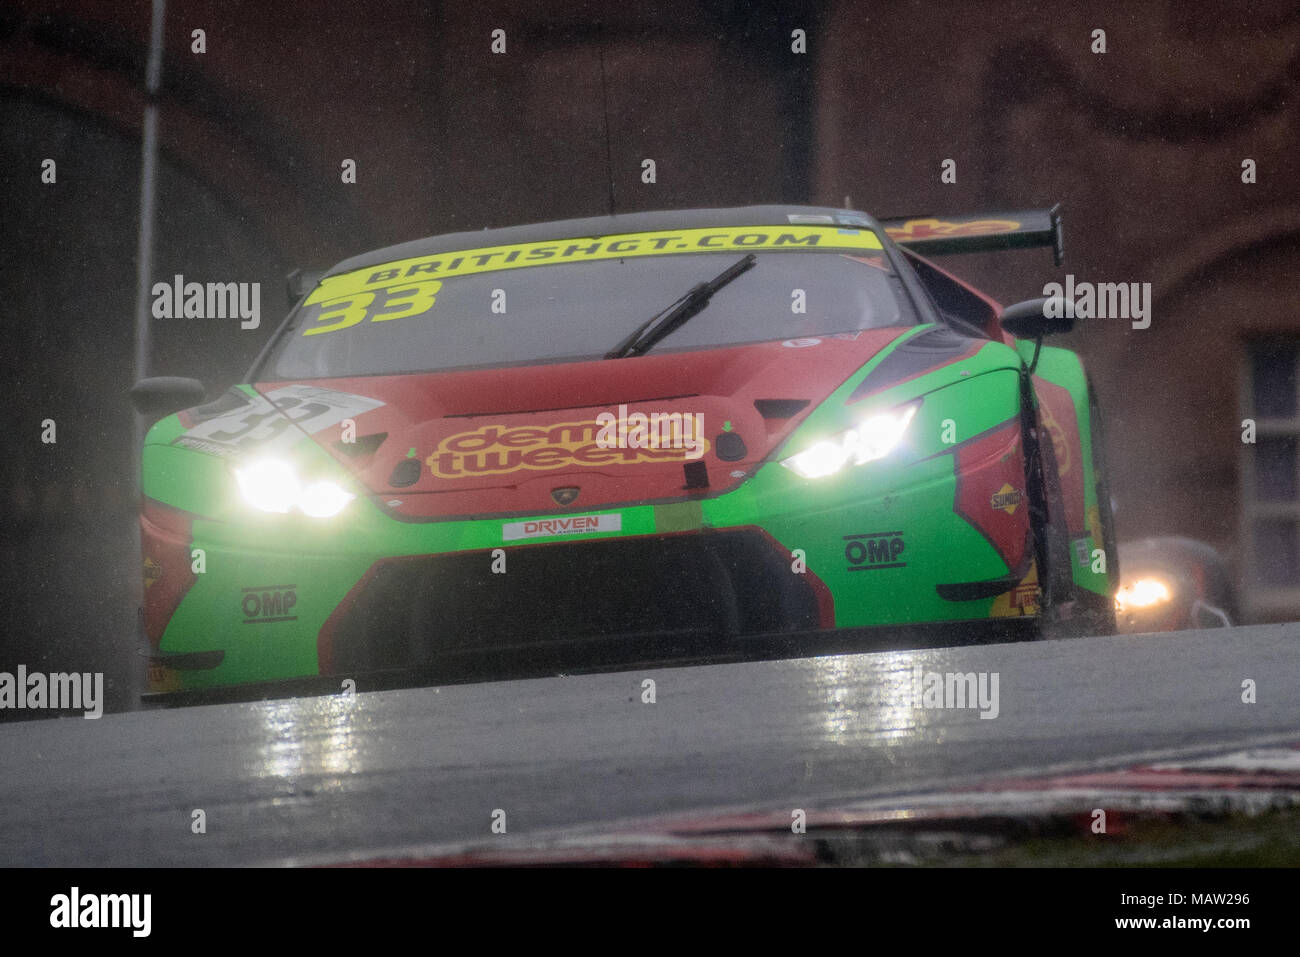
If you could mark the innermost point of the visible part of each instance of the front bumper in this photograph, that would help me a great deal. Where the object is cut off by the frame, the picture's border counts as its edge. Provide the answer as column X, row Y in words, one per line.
column 286, row 597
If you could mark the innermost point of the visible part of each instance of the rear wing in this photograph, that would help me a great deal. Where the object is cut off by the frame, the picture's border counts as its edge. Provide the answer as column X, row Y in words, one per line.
column 932, row 235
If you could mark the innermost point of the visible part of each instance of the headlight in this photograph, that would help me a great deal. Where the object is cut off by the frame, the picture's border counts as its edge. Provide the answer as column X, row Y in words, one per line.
column 272, row 485
column 872, row 438
column 1142, row 593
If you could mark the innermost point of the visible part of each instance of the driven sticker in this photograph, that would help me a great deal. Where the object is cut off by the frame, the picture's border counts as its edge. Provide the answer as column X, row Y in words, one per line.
column 568, row 525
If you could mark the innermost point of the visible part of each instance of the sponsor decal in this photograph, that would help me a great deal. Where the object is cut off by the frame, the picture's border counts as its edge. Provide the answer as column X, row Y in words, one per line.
column 1060, row 445
column 801, row 343
column 877, row 261
column 264, row 604
column 1083, row 551
column 501, row 449
column 152, row 572
column 1006, row 499
column 872, row 550
column 567, row 525
column 1021, row 600
column 202, row 445
column 161, row 678
column 919, row 229
column 405, row 272
column 1094, row 527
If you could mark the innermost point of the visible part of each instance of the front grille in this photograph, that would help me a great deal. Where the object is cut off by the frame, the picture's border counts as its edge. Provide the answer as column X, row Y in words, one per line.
column 576, row 604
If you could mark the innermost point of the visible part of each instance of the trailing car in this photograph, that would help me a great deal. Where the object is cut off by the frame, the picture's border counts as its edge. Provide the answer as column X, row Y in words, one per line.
column 648, row 437
column 1172, row 583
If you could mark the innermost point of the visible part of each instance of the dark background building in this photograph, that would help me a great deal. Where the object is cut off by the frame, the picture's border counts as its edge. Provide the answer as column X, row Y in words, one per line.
column 1143, row 145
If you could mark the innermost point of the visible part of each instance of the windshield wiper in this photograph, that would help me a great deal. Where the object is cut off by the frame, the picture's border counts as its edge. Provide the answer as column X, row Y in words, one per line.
column 654, row 329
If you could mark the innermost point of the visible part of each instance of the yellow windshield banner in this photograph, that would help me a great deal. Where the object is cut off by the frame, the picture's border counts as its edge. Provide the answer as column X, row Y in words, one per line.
column 729, row 239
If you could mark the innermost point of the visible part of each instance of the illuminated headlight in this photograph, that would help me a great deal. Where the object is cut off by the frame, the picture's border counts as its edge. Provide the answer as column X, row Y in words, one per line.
column 1143, row 593
column 271, row 485
column 872, row 438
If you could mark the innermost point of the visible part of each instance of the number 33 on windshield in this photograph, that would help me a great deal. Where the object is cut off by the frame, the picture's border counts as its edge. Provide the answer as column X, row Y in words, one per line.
column 394, row 302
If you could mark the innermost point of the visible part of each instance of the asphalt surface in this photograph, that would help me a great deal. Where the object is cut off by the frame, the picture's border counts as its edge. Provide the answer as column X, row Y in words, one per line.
column 320, row 779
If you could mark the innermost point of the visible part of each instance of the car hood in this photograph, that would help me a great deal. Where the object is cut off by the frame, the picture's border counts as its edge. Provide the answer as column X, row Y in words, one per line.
column 529, row 438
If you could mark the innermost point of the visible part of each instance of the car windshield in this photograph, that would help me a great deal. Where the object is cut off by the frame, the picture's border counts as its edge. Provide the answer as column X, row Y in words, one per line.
column 580, row 310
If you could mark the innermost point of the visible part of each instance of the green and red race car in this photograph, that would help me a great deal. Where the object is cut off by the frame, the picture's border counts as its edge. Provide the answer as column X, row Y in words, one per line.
column 646, row 437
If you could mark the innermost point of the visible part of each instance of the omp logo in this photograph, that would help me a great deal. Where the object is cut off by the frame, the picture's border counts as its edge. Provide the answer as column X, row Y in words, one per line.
column 915, row 229
column 874, row 550
column 263, row 604
column 500, row 449
column 568, row 525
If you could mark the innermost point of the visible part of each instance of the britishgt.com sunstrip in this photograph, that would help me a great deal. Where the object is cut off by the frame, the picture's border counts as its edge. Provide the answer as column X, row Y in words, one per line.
column 637, row 437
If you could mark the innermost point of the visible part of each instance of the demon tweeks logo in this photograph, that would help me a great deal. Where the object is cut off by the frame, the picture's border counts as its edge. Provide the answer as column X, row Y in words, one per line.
column 499, row 449
column 75, row 909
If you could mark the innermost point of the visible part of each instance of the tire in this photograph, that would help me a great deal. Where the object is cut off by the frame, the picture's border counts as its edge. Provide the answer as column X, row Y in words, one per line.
column 1051, row 539
column 1069, row 611
column 1101, row 613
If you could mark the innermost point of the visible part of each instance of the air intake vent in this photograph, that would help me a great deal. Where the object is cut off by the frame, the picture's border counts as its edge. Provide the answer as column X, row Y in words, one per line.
column 780, row 408
column 406, row 472
column 365, row 445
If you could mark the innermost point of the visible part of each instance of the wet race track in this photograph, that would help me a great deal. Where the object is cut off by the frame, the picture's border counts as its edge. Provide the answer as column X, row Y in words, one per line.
column 333, row 778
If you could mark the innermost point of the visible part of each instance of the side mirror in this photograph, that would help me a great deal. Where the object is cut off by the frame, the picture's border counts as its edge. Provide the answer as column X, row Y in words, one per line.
column 1034, row 318
column 163, row 395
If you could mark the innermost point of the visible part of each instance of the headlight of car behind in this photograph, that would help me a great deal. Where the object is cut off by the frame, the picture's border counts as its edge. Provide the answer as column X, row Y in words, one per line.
column 273, row 485
column 1142, row 594
column 871, row 439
